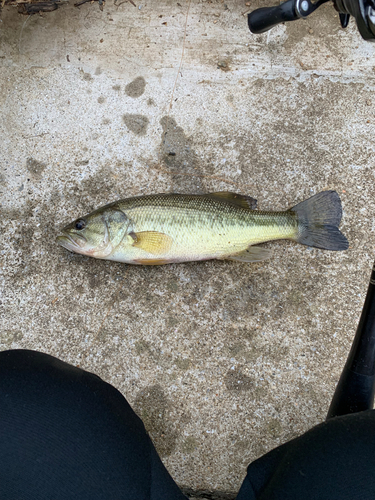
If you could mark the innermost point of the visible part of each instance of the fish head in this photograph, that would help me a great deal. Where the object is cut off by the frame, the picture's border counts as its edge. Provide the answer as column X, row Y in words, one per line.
column 96, row 234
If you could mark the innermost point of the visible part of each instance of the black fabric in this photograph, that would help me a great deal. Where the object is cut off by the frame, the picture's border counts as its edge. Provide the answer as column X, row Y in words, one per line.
column 333, row 461
column 66, row 434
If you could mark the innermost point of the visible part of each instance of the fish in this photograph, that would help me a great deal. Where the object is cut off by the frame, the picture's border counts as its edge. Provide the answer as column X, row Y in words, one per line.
column 162, row 228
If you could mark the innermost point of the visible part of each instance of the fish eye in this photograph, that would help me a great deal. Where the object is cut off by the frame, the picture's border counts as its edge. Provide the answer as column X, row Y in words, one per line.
column 80, row 224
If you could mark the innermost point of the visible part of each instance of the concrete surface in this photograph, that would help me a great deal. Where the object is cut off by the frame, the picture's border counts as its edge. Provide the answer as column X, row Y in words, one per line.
column 223, row 361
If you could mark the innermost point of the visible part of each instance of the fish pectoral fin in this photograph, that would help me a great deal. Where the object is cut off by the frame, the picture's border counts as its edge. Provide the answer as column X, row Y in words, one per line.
column 153, row 242
column 235, row 198
column 251, row 254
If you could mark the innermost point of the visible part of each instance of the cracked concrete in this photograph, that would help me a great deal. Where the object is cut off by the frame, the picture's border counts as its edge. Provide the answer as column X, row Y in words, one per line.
column 224, row 361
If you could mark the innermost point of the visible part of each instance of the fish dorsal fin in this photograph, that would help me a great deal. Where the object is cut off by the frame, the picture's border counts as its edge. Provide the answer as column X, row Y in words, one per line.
column 235, row 198
column 152, row 242
column 251, row 254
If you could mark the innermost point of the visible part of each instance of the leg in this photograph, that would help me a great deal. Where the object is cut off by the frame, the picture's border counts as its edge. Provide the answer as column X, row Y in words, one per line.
column 333, row 461
column 64, row 433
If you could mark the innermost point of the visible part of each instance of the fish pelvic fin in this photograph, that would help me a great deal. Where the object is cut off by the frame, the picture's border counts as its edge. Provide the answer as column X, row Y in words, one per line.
column 318, row 220
column 152, row 242
column 251, row 254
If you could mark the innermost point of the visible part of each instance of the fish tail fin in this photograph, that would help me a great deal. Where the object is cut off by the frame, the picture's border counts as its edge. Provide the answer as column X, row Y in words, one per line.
column 318, row 221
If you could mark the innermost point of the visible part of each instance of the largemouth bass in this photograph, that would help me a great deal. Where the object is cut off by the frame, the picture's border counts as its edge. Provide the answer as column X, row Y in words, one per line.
column 166, row 228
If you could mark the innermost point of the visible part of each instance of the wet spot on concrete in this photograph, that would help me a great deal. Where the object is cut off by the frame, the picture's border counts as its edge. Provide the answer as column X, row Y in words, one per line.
column 150, row 102
column 136, row 88
column 36, row 168
column 173, row 285
column 153, row 407
column 101, row 99
column 189, row 445
column 172, row 321
column 116, row 87
column 98, row 71
column 236, row 350
column 274, row 428
column 91, row 192
column 223, row 64
column 180, row 158
column 142, row 347
column 87, row 77
column 9, row 338
column 235, row 380
column 183, row 363
column 35, row 224
column 94, row 280
column 136, row 123
column 105, row 334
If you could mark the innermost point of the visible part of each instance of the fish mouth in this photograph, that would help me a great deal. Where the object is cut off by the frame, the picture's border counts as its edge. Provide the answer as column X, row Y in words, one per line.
column 75, row 244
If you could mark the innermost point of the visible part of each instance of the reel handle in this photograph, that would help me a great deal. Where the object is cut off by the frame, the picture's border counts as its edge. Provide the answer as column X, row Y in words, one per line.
column 261, row 20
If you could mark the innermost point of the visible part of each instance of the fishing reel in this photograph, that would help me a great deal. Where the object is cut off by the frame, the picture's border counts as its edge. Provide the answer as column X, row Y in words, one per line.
column 363, row 11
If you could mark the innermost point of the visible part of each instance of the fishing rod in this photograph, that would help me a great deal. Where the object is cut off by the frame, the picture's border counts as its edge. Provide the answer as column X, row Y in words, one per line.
column 363, row 11
column 355, row 389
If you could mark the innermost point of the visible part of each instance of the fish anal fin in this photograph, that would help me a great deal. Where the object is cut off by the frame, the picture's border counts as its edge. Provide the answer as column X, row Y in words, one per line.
column 251, row 254
column 235, row 198
column 152, row 242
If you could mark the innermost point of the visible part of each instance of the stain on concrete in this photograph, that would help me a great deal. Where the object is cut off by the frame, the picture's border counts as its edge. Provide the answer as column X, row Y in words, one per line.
column 141, row 346
column 224, row 65
column 235, row 380
column 81, row 163
column 87, row 77
column 180, row 157
column 92, row 191
column 98, row 71
column 274, row 428
column 101, row 99
column 117, row 88
column 189, row 445
column 136, row 88
column 236, row 350
column 8, row 338
column 183, row 363
column 23, row 237
column 136, row 123
column 36, row 168
column 153, row 407
column 105, row 334
column 172, row 321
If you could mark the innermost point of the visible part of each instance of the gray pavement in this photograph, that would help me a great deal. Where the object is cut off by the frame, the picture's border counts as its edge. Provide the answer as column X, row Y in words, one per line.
column 222, row 360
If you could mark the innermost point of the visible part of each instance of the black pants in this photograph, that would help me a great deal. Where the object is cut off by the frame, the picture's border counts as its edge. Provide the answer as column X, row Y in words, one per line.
column 65, row 434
